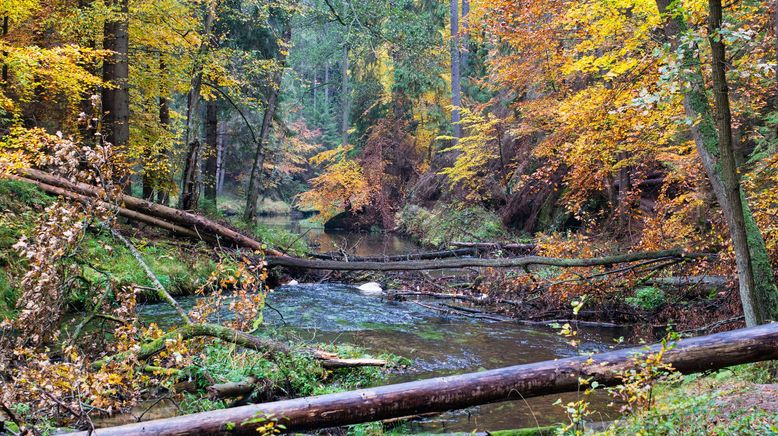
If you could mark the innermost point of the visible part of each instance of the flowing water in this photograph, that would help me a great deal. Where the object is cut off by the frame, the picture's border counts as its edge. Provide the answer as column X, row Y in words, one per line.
column 436, row 344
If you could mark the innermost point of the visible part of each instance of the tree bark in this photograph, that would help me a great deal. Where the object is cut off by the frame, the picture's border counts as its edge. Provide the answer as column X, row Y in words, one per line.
column 752, row 310
column 200, row 225
column 418, row 265
column 211, row 150
column 456, row 392
column 189, row 188
column 163, row 194
column 250, row 211
column 344, row 95
column 127, row 213
column 4, row 72
column 465, row 56
column 116, row 99
column 220, row 168
column 456, row 88
column 757, row 289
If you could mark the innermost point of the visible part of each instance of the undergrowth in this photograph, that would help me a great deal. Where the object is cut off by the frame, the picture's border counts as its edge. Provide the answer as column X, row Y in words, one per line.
column 447, row 223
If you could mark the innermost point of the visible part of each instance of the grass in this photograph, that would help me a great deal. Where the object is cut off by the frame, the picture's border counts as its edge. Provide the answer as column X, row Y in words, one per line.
column 731, row 401
column 295, row 375
column 181, row 271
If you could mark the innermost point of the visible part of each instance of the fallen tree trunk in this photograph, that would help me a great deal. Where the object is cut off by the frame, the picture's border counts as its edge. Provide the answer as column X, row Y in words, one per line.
column 180, row 217
column 131, row 214
column 465, row 390
column 416, row 265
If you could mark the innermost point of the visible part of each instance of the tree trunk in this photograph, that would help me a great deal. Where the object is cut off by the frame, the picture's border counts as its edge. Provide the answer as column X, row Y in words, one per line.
column 189, row 187
column 456, row 89
column 4, row 74
column 255, row 186
column 440, row 394
column 327, row 88
column 163, row 194
column 752, row 310
column 510, row 262
column 344, row 96
column 464, row 64
column 221, row 141
column 211, row 150
column 116, row 99
column 757, row 289
column 201, row 225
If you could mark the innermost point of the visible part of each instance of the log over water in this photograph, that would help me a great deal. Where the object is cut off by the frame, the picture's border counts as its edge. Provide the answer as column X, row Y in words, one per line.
column 460, row 391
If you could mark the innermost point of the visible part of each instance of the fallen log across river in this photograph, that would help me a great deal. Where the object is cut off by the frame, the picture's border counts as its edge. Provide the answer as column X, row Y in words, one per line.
column 460, row 391
column 464, row 262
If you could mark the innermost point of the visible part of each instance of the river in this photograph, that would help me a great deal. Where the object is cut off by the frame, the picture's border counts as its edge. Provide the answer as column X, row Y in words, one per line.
column 436, row 344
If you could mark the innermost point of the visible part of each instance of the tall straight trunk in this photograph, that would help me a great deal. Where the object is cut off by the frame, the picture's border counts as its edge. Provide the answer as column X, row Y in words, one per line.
column 754, row 312
column 250, row 211
column 189, row 195
column 221, row 141
column 757, row 289
column 327, row 87
column 344, row 96
column 211, row 146
column 315, row 87
column 465, row 38
column 456, row 91
column 116, row 99
column 163, row 196
column 4, row 75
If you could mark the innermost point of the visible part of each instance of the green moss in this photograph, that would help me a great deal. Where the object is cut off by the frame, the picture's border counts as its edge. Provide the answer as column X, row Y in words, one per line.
column 723, row 403
column 181, row 271
column 533, row 431
column 438, row 227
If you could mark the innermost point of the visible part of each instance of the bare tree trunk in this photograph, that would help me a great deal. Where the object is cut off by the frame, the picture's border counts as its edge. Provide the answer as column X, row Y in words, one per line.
column 456, row 88
column 163, row 196
column 344, row 95
column 757, row 289
column 189, row 182
column 737, row 228
column 327, row 87
column 250, row 211
column 116, row 100
column 211, row 146
column 4, row 75
column 221, row 141
column 465, row 38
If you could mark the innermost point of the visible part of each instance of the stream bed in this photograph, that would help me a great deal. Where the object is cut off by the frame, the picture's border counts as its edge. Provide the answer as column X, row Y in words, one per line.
column 436, row 344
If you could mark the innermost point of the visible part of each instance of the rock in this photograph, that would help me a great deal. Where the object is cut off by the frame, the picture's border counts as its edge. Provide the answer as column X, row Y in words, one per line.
column 349, row 221
column 292, row 282
column 371, row 288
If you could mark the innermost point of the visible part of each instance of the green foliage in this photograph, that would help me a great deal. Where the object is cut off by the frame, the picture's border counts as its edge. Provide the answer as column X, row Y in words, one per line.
column 445, row 224
column 704, row 405
column 295, row 375
column 181, row 272
column 647, row 298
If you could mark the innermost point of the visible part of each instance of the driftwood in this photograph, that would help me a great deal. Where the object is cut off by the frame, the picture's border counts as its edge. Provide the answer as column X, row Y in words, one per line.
column 513, row 262
column 196, row 223
column 465, row 390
